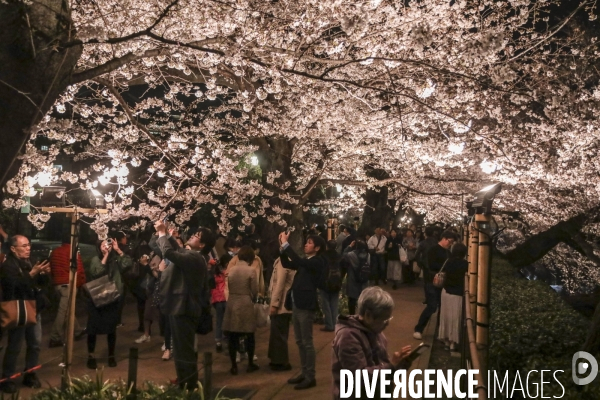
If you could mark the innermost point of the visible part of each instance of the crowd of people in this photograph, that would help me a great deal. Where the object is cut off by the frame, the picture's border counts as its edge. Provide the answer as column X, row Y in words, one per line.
column 177, row 279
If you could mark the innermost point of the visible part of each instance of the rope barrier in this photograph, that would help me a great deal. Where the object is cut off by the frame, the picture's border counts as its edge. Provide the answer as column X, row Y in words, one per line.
column 30, row 370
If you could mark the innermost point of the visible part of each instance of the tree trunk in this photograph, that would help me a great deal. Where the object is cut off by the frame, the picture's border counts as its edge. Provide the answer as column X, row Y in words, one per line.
column 275, row 155
column 537, row 246
column 33, row 72
column 378, row 212
column 567, row 232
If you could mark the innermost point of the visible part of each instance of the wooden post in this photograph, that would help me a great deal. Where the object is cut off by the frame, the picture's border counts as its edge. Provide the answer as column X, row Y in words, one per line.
column 483, row 298
column 329, row 228
column 132, row 373
column 473, row 258
column 72, row 289
column 207, row 375
column 70, row 325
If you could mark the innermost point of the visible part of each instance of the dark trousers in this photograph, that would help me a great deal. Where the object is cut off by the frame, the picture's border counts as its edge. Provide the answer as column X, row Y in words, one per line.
column 433, row 296
column 278, row 339
column 33, row 337
column 183, row 328
column 111, row 339
column 303, row 331
column 165, row 328
column 378, row 266
column 352, row 305
column 220, row 310
column 234, row 342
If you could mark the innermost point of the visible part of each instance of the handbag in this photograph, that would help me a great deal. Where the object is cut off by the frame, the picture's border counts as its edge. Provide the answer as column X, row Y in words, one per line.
column 440, row 278
column 261, row 313
column 16, row 313
column 103, row 291
column 403, row 256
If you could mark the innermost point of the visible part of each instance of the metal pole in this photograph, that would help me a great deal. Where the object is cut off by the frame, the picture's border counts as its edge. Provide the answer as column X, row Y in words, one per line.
column 483, row 299
column 70, row 325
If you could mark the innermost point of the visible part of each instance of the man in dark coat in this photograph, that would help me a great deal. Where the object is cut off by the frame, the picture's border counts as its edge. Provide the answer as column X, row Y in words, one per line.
column 21, row 280
column 183, row 290
column 304, row 301
column 436, row 256
column 421, row 253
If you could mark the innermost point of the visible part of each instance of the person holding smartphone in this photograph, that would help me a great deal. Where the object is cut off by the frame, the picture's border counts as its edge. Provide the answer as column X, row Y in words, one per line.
column 359, row 341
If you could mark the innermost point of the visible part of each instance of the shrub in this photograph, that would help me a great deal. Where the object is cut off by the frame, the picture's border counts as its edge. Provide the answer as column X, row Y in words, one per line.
column 98, row 389
column 531, row 328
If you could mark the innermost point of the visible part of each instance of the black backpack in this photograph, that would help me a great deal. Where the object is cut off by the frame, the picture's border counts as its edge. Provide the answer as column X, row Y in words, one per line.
column 333, row 281
column 364, row 269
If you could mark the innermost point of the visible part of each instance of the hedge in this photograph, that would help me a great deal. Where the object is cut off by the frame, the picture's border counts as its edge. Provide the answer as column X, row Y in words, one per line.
column 532, row 328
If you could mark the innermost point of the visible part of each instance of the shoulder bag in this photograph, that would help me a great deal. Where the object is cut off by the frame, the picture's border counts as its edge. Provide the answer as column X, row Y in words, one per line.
column 103, row 291
column 18, row 312
column 440, row 278
column 261, row 313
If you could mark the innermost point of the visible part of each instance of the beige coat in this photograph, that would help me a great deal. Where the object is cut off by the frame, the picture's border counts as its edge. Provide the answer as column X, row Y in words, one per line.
column 243, row 287
column 257, row 265
column 281, row 282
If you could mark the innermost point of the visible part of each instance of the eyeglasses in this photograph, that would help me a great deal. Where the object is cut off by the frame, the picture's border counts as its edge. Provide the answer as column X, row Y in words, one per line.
column 24, row 245
column 387, row 321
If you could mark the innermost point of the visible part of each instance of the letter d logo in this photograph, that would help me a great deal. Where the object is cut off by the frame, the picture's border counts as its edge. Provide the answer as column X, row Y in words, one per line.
column 579, row 367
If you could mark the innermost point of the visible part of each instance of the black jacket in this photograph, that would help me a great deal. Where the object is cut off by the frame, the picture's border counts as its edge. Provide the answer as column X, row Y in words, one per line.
column 436, row 256
column 183, row 288
column 309, row 272
column 455, row 269
column 17, row 284
column 422, row 249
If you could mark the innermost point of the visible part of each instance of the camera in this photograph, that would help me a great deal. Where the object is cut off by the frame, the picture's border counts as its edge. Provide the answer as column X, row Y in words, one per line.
column 109, row 242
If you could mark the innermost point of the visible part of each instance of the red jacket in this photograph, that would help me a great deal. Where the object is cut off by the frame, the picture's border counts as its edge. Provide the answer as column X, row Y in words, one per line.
column 218, row 294
column 59, row 264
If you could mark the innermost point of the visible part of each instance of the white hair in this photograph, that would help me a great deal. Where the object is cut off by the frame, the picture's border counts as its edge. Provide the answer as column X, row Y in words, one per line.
column 375, row 300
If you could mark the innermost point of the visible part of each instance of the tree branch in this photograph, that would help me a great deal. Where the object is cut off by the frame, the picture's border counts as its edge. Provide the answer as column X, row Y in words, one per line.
column 384, row 182
column 145, row 130
column 314, row 181
column 112, row 65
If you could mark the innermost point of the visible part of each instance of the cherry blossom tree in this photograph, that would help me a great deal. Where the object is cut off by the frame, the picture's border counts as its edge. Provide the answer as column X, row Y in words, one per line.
column 163, row 105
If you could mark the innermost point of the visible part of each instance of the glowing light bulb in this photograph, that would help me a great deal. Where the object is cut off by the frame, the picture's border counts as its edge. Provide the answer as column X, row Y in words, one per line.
column 488, row 167
column 44, row 178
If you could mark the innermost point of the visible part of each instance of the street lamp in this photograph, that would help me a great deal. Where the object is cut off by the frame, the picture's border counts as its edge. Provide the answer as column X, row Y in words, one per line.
column 483, row 199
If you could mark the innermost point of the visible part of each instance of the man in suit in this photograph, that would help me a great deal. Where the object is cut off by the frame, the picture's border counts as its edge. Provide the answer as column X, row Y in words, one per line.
column 183, row 291
column 303, row 294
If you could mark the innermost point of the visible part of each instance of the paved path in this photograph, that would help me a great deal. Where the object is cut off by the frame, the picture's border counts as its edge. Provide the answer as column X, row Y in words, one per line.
column 268, row 384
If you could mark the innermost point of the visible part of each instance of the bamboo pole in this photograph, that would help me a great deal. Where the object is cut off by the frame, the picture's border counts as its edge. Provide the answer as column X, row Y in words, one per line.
column 483, row 298
column 473, row 258
column 70, row 326
column 473, row 348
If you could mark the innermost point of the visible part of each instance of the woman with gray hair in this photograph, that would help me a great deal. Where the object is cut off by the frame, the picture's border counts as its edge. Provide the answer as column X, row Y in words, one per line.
column 359, row 341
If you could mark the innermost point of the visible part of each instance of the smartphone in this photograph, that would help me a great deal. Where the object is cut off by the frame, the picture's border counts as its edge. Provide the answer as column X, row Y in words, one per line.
column 416, row 352
column 288, row 230
column 165, row 219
